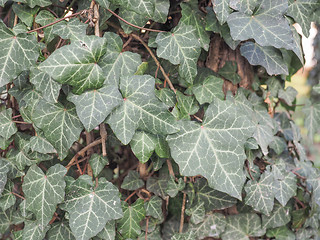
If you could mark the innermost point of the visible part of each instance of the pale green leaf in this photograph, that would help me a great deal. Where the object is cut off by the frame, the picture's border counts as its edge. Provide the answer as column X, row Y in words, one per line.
column 104, row 3
column 4, row 169
column 213, row 225
column 34, row 231
column 222, row 10
column 7, row 198
column 243, row 226
column 25, row 13
column 311, row 122
column 268, row 57
column 43, row 83
column 108, row 232
column 187, row 105
column 167, row 96
column 73, row 29
column 153, row 207
column 44, row 191
column 17, row 53
column 278, row 145
column 94, row 106
column 301, row 11
column 219, row 140
column 132, row 17
column 115, row 63
column 196, row 213
column 60, row 125
column 90, row 207
column 132, row 181
column 244, row 6
column 140, row 109
column 191, row 15
column 158, row 186
column 173, row 188
column 7, row 126
column 181, row 46
column 161, row 10
column 280, row 216
column 43, row 18
column 162, row 147
column 267, row 26
column 264, row 136
column 77, row 64
column 260, row 194
column 229, row 72
column 143, row 145
column 59, row 231
column 41, row 145
column 5, row 220
column 129, row 224
column 288, row 95
column 97, row 163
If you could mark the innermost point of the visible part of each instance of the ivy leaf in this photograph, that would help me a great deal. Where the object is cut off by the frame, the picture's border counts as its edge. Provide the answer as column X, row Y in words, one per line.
column 161, row 11
column 143, row 145
column 129, row 224
column 268, row 57
column 41, row 145
column 104, row 3
column 25, row 13
column 158, row 186
column 115, row 63
column 181, row 46
column 34, row 231
column 94, row 106
column 207, row 87
column 187, row 105
column 260, row 195
column 242, row 226
column 196, row 212
column 74, row 29
column 17, row 53
column 4, row 169
column 288, row 95
column 167, row 96
column 7, row 126
column 60, row 230
column 60, row 125
column 222, row 10
column 213, row 226
column 192, row 16
column 91, row 208
column 281, row 233
column 77, row 64
column 108, row 232
column 213, row 199
column 267, row 26
column 97, row 163
column 184, row 236
column 43, row 18
column 41, row 3
column 278, row 145
column 173, row 188
column 44, row 191
column 301, row 10
column 264, row 136
column 140, row 109
column 7, row 199
column 229, row 72
column 311, row 122
column 153, row 207
column 246, row 6
column 132, row 181
column 132, row 17
column 162, row 147
column 279, row 217
column 220, row 141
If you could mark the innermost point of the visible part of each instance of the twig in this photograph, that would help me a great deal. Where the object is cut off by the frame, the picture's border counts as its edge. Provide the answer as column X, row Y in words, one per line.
column 127, row 42
column 170, row 168
column 52, row 12
column 132, row 25
column 16, row 194
column 182, row 209
column 20, row 122
column 82, row 151
column 131, row 195
column 59, row 20
column 299, row 176
column 196, row 117
column 147, row 225
column 96, row 18
column 156, row 61
column 103, row 134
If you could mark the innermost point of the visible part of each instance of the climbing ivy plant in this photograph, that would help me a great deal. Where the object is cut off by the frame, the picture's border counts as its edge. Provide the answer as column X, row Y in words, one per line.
column 148, row 119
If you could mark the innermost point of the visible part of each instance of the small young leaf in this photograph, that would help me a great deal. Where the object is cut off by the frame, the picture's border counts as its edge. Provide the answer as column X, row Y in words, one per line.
column 7, row 126
column 97, row 163
column 153, row 207
column 132, row 181
column 143, row 145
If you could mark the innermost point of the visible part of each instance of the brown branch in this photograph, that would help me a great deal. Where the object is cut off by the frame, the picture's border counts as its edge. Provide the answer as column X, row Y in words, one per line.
column 96, row 18
column 147, row 226
column 170, row 168
column 298, row 175
column 132, row 25
column 59, row 20
column 131, row 195
column 103, row 134
column 183, row 209
column 19, row 196
column 156, row 61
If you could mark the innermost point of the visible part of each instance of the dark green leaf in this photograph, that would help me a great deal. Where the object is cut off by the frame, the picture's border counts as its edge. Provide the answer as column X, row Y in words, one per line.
column 97, row 163
column 25, row 13
column 229, row 72
column 153, row 207
column 132, row 181
column 280, row 216
column 7, row 198
column 7, row 126
column 143, row 145
column 60, row 231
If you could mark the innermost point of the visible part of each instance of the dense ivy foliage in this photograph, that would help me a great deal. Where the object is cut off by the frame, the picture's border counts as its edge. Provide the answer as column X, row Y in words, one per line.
column 155, row 119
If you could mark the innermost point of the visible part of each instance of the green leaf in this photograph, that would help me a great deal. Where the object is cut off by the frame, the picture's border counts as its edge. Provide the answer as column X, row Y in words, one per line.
column 77, row 64
column 196, row 212
column 17, row 54
column 34, row 231
column 187, row 105
column 97, row 163
column 314, row 181
column 44, row 191
column 5, row 220
column 115, row 63
column 220, row 141
column 74, row 29
column 7, row 126
column 41, row 145
column 301, row 10
column 167, row 96
column 25, row 13
column 4, row 169
column 244, row 6
column 90, row 207
column 260, row 195
column 311, row 122
column 41, row 3
column 173, row 188
column 143, row 145
column 222, row 10
column 264, row 136
column 60, row 125
column 132, row 181
column 7, row 198
column 162, row 147
column 288, row 95
column 60, row 230
column 229, row 72
column 158, row 186
column 278, row 145
column 242, row 226
column 132, row 17
column 153, row 207
column 43, row 18
column 161, row 10
column 181, row 46
column 192, row 16
column 108, row 232
column 281, row 233
column 268, row 57
column 184, row 236
column 140, row 109
column 94, row 106
column 43, row 83
column 280, row 216
column 213, row 226
column 129, row 224
column 104, row 3
column 267, row 26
